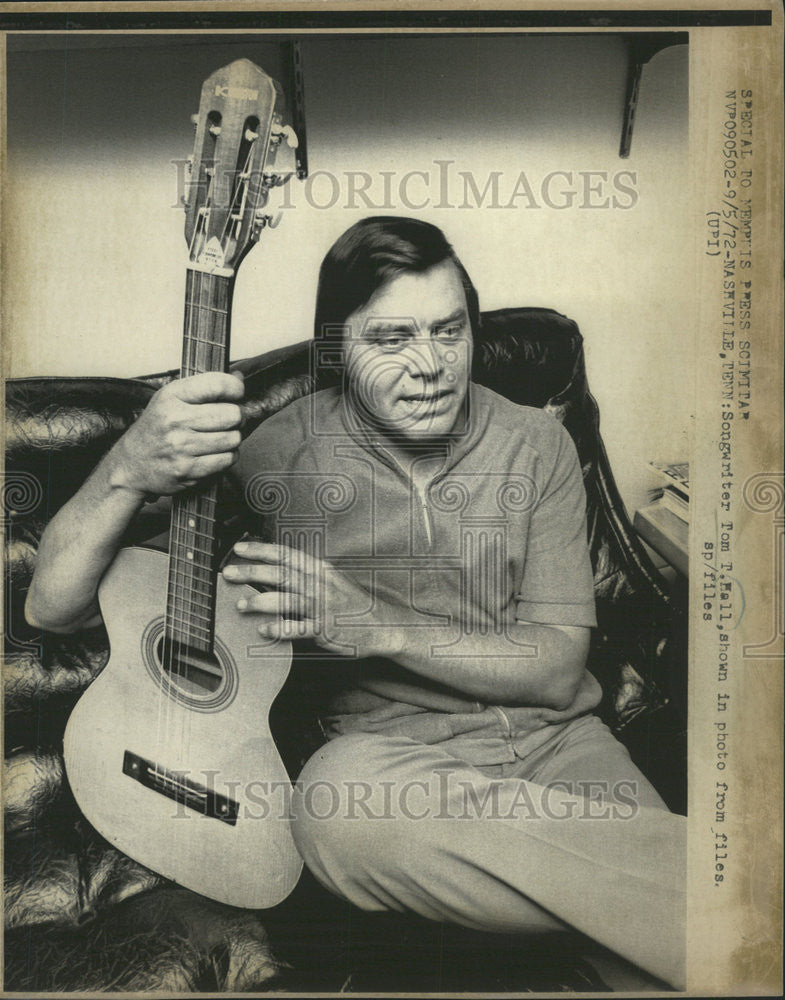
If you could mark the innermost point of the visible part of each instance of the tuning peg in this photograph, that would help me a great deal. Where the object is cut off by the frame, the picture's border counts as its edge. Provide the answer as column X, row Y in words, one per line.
column 250, row 135
column 260, row 220
column 286, row 132
column 215, row 130
column 195, row 120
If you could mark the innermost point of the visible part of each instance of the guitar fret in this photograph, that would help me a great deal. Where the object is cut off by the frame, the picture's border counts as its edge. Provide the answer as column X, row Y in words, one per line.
column 185, row 509
column 201, row 568
column 194, row 528
column 185, row 614
column 207, row 515
column 187, row 637
column 189, row 619
column 192, row 569
column 200, row 611
column 194, row 580
column 180, row 554
column 193, row 573
column 198, row 339
column 202, row 534
column 195, row 515
column 204, row 308
column 181, row 589
column 193, row 548
column 183, row 623
column 196, row 624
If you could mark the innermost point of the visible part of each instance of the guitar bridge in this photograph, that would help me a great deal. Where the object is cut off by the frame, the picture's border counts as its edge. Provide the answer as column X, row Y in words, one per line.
column 176, row 786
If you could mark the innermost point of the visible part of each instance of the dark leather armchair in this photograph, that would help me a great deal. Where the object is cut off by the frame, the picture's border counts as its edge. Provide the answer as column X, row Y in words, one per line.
column 82, row 916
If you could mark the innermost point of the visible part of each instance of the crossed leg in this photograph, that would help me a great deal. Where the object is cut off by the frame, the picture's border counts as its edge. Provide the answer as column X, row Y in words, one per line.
column 392, row 824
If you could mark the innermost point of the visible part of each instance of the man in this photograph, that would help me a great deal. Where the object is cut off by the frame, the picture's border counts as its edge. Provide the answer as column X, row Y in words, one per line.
column 429, row 538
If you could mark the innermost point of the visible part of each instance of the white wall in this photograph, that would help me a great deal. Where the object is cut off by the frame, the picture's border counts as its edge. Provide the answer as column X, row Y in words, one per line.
column 94, row 250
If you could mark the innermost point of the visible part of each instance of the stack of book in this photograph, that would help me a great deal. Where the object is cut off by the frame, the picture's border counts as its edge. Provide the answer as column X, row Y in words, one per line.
column 674, row 492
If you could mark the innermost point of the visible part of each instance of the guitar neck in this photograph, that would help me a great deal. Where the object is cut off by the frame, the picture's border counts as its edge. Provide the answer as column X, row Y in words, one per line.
column 208, row 299
column 190, row 608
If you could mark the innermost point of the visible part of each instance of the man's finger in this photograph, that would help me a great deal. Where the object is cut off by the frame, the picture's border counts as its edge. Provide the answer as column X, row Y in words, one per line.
column 266, row 552
column 274, row 602
column 210, row 465
column 215, row 417
column 287, row 629
column 261, row 551
column 266, row 574
column 208, row 387
column 213, row 443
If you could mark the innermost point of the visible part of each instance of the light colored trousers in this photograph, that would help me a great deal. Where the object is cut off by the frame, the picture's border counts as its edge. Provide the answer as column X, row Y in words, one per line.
column 569, row 836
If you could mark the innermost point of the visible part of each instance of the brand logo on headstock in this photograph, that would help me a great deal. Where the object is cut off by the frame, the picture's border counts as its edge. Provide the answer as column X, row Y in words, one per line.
column 237, row 93
column 213, row 253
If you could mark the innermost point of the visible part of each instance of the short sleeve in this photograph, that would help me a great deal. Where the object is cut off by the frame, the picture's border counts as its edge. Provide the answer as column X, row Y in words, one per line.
column 258, row 455
column 557, row 586
column 261, row 462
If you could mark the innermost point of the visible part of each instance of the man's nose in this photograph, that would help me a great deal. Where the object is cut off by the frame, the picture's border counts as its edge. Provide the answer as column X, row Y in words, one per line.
column 426, row 361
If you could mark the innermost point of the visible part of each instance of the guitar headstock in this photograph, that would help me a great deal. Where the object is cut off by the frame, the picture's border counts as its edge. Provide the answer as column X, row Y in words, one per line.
column 240, row 126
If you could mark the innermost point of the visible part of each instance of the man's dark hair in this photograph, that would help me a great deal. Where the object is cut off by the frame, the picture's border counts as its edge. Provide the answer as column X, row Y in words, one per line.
column 371, row 253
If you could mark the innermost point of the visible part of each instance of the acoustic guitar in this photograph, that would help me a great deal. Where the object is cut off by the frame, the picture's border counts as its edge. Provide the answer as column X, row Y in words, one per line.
column 169, row 752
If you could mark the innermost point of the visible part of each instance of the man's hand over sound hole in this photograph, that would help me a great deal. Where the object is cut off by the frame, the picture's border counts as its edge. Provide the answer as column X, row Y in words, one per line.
column 307, row 598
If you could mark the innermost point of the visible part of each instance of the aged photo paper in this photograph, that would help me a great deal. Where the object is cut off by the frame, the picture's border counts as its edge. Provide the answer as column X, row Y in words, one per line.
column 618, row 165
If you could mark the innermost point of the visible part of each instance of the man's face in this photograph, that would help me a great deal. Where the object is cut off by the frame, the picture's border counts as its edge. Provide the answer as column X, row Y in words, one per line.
column 408, row 354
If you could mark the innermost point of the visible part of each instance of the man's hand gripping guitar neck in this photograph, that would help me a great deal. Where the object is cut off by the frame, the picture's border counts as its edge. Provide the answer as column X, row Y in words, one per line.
column 188, row 431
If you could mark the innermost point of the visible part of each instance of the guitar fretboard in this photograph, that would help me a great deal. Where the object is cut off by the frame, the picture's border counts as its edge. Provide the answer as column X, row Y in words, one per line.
column 190, row 608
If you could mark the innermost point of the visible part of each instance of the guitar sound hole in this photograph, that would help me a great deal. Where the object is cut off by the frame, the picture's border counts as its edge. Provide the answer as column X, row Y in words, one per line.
column 191, row 670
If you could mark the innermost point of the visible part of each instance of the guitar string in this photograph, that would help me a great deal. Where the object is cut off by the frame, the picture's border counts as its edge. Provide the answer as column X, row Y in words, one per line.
column 206, row 353
column 183, row 508
column 201, row 353
column 185, row 514
column 202, row 350
column 183, row 584
column 242, row 186
column 188, row 510
column 171, row 650
column 214, row 350
column 168, row 650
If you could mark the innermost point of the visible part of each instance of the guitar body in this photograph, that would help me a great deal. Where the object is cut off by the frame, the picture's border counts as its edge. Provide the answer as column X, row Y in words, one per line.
column 184, row 777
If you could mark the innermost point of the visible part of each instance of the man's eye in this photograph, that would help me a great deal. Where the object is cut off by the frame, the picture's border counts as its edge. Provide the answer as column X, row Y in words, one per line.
column 451, row 332
column 392, row 341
